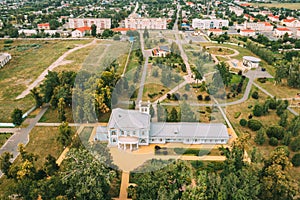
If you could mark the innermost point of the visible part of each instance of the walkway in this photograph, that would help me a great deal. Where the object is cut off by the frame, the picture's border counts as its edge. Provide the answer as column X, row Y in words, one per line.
column 144, row 72
column 21, row 136
column 124, row 185
column 58, row 62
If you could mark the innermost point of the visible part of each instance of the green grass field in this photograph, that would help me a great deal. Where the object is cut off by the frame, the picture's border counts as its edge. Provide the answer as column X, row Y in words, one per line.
column 29, row 60
column 4, row 137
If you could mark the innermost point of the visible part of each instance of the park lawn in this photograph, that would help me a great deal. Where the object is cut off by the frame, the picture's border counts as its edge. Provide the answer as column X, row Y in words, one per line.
column 4, row 137
column 29, row 60
column 132, row 63
column 76, row 59
column 222, row 59
column 51, row 116
column 292, row 6
column 278, row 90
column 267, row 120
column 220, row 51
column 152, row 88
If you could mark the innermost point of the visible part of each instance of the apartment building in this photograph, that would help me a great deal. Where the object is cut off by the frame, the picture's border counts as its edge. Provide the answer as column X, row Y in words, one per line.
column 101, row 23
column 137, row 22
column 209, row 23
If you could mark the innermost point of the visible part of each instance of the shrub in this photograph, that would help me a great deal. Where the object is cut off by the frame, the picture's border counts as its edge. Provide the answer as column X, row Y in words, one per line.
column 262, row 80
column 250, row 116
column 296, row 160
column 260, row 137
column 254, row 125
column 243, row 122
column 257, row 110
column 255, row 95
column 207, row 98
column 295, row 144
column 199, row 97
column 187, row 87
column 8, row 41
column 273, row 141
column 168, row 96
column 275, row 131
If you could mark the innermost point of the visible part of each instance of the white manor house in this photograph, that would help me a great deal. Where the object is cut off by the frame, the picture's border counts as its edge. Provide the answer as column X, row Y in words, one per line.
column 133, row 128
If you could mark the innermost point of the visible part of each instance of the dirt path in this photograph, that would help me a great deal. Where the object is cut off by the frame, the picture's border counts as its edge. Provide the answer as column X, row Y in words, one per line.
column 58, row 62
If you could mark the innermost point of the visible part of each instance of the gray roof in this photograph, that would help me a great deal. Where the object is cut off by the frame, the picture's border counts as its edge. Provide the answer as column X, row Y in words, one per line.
column 188, row 129
column 164, row 48
column 128, row 119
column 251, row 59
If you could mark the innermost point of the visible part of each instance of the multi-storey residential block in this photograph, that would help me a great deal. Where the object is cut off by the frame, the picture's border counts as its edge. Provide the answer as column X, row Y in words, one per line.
column 101, row 23
column 290, row 22
column 279, row 32
column 137, row 22
column 209, row 23
column 237, row 10
column 258, row 26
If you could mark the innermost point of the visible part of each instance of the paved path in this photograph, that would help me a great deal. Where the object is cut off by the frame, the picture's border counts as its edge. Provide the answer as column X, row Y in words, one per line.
column 21, row 136
column 272, row 96
column 124, row 185
column 50, row 68
column 144, row 72
column 8, row 130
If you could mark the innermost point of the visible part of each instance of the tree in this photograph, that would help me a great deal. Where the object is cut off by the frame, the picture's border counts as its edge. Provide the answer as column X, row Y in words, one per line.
column 273, row 141
column 187, row 114
column 283, row 119
column 258, row 110
column 85, row 173
column 151, row 111
column 61, row 110
column 199, row 190
column 294, row 126
column 276, row 182
column 255, row 95
column 146, row 33
column 161, row 113
column 243, row 122
column 295, row 144
column 16, row 116
column 296, row 160
column 225, row 74
column 175, row 49
column 260, row 137
column 254, row 125
column 94, row 30
column 50, row 166
column 65, row 134
column 5, row 163
column 37, row 97
column 275, row 131
column 173, row 116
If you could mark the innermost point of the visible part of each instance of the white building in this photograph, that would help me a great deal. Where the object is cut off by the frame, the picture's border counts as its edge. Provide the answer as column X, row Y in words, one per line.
column 258, row 26
column 132, row 128
column 279, row 32
column 251, row 62
column 80, row 32
column 161, row 51
column 290, row 22
column 101, row 23
column 27, row 32
column 247, row 32
column 209, row 23
column 298, row 33
column 137, row 22
column 273, row 18
column 237, row 10
column 4, row 58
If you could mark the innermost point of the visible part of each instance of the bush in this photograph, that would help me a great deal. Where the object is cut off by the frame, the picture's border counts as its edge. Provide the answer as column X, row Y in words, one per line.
column 255, row 95
column 260, row 137
column 254, row 125
column 296, row 160
column 8, row 41
column 237, row 115
column 275, row 131
column 257, row 110
column 199, row 97
column 187, row 87
column 273, row 141
column 243, row 122
column 262, row 80
column 295, row 144
column 207, row 98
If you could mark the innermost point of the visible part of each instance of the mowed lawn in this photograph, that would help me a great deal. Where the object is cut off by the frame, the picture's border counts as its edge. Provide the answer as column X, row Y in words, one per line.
column 292, row 6
column 29, row 60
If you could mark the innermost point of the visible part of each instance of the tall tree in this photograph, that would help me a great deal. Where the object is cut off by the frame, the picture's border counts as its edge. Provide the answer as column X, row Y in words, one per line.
column 17, row 117
column 94, row 30
column 37, row 97
column 173, row 116
column 61, row 110
column 5, row 163
column 65, row 134
column 86, row 176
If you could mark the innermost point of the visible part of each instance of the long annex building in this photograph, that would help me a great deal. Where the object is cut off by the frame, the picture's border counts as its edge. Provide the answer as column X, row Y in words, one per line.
column 134, row 128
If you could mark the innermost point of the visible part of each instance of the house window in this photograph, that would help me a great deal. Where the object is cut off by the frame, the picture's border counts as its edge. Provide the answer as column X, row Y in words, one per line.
column 143, row 141
column 114, row 140
column 196, row 140
column 133, row 132
column 143, row 133
column 113, row 133
column 122, row 132
column 160, row 139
